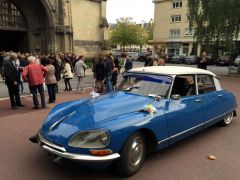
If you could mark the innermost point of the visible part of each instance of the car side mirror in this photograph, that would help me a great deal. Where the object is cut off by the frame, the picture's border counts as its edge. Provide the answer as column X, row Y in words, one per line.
column 176, row 97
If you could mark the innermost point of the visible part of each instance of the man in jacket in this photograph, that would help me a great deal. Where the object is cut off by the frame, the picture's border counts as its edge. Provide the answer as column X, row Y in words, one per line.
column 34, row 74
column 12, row 78
column 79, row 69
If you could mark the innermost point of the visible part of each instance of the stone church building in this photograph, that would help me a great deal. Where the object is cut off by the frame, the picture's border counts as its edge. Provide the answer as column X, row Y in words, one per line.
column 49, row 26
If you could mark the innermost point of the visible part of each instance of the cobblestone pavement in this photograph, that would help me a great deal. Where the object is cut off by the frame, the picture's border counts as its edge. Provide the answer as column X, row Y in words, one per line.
column 185, row 160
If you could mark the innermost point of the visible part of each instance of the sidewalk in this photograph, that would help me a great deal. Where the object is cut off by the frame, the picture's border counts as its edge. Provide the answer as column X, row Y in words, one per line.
column 5, row 108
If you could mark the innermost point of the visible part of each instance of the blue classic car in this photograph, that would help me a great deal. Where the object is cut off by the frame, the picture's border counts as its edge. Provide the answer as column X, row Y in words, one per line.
column 153, row 108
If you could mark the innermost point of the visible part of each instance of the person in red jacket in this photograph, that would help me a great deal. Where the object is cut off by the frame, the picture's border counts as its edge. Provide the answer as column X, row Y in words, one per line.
column 34, row 74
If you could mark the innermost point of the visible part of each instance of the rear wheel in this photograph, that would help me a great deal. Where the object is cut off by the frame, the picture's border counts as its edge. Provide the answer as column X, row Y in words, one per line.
column 228, row 119
column 132, row 155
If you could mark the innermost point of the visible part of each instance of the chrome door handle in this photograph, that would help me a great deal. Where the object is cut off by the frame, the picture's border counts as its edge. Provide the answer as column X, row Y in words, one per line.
column 198, row 100
column 220, row 95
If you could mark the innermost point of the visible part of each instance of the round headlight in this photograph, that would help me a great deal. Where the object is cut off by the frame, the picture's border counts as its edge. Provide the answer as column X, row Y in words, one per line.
column 90, row 139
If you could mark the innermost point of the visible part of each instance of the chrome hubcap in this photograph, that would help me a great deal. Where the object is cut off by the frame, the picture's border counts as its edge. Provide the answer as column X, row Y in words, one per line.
column 228, row 118
column 136, row 152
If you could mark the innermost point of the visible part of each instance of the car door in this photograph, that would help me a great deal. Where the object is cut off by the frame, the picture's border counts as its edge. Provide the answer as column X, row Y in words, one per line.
column 212, row 99
column 184, row 114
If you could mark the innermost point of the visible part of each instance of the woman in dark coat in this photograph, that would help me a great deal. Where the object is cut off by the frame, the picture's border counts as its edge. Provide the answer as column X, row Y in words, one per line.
column 100, row 74
column 58, row 69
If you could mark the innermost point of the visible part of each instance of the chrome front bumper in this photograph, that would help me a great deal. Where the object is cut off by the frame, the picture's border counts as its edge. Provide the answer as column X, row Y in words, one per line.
column 61, row 152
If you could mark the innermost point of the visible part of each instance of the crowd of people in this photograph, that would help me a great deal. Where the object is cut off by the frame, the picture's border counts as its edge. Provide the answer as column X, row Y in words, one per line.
column 47, row 70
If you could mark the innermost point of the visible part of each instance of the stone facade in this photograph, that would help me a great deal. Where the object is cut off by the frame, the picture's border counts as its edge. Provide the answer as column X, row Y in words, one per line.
column 78, row 26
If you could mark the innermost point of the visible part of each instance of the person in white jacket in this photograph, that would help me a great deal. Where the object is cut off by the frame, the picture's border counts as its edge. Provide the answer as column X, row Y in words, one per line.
column 80, row 67
column 67, row 75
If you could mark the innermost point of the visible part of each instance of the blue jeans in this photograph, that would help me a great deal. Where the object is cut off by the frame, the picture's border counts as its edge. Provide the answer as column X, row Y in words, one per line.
column 21, row 87
column 51, row 93
column 109, row 83
column 40, row 89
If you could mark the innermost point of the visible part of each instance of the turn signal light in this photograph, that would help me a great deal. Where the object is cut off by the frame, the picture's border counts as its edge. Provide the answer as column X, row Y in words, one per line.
column 102, row 152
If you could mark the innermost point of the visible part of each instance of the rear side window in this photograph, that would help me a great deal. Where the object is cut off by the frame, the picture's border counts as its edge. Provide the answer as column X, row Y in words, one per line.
column 205, row 84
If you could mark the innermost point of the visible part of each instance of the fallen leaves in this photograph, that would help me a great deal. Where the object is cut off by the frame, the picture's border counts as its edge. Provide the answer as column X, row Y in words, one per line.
column 211, row 157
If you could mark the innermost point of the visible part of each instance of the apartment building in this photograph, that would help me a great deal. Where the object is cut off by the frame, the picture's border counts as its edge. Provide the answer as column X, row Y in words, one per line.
column 171, row 29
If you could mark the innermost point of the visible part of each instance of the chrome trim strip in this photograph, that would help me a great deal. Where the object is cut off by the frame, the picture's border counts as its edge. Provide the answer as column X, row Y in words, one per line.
column 44, row 141
column 164, row 140
column 80, row 157
column 202, row 124
column 206, row 122
column 61, row 120
column 183, row 132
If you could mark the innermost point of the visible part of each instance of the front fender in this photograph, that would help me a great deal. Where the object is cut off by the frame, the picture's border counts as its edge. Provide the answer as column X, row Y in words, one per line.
column 121, row 128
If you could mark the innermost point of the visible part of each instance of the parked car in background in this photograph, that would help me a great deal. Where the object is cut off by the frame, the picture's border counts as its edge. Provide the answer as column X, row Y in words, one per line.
column 211, row 60
column 224, row 60
column 237, row 61
column 179, row 59
column 134, row 55
column 191, row 59
column 142, row 56
column 168, row 57
column 161, row 106
column 116, row 53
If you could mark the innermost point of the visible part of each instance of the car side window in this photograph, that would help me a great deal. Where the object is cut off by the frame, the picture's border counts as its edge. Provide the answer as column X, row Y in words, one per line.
column 184, row 85
column 205, row 84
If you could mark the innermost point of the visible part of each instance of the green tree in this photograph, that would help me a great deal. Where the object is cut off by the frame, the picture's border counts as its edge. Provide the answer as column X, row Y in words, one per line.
column 215, row 20
column 142, row 36
column 124, row 32
column 128, row 33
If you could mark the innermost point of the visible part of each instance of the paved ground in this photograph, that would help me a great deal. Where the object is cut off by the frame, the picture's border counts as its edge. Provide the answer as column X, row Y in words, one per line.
column 185, row 160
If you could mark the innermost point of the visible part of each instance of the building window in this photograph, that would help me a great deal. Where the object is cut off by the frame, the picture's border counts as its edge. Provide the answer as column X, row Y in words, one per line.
column 10, row 16
column 188, row 32
column 177, row 4
column 176, row 18
column 175, row 32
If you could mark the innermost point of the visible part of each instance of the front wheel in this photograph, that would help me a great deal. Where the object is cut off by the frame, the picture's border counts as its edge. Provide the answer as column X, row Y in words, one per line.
column 132, row 156
column 228, row 119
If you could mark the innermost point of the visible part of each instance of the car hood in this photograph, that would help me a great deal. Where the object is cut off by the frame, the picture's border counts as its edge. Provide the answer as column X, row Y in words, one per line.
column 69, row 118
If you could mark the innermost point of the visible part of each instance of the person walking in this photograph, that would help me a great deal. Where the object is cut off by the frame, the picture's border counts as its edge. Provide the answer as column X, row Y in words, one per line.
column 202, row 61
column 100, row 74
column 128, row 64
column 149, row 60
column 114, row 78
column 109, row 65
column 34, row 74
column 117, row 63
column 51, row 81
column 57, row 65
column 80, row 67
column 12, row 78
column 22, row 64
column 67, row 75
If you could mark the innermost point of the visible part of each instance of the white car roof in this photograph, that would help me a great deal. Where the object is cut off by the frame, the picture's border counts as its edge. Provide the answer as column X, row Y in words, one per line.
column 171, row 70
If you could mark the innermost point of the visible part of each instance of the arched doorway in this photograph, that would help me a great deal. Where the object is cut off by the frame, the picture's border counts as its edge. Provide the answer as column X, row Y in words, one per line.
column 26, row 25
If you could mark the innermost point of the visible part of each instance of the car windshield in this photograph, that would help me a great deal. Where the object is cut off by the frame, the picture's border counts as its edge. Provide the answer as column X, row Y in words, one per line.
column 146, row 85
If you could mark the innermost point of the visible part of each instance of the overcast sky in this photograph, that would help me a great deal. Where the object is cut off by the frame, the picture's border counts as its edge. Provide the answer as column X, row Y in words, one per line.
column 137, row 9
